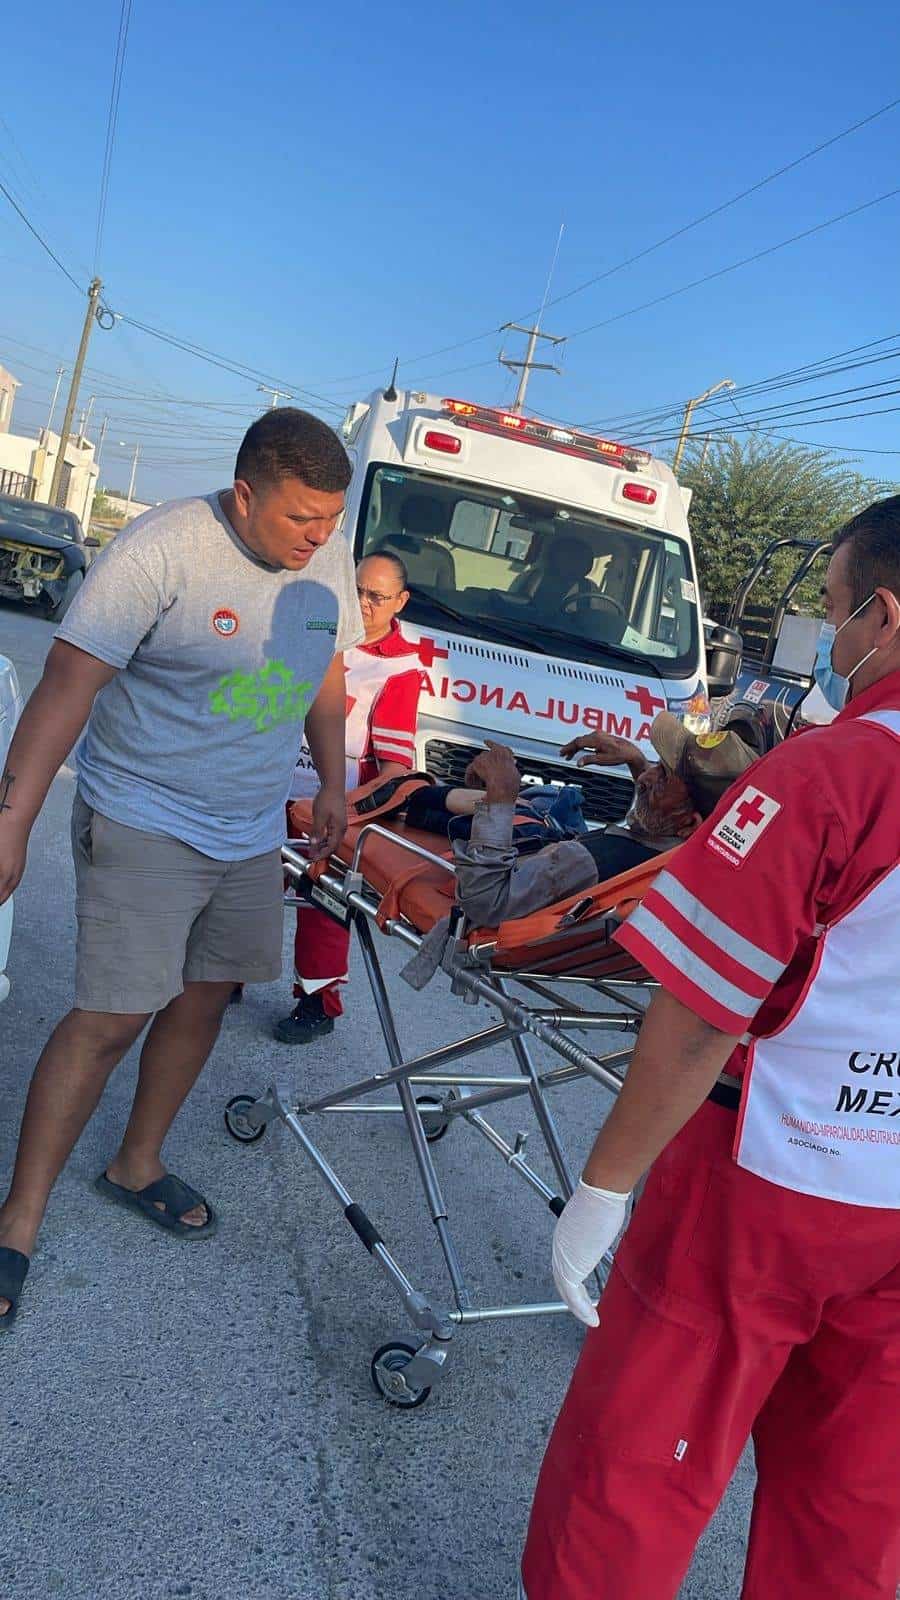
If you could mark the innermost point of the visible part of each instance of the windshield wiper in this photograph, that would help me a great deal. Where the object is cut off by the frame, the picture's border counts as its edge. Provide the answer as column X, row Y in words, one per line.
column 617, row 651
column 510, row 635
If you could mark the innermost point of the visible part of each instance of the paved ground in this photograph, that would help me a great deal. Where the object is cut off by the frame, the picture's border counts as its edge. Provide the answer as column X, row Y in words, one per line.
column 197, row 1420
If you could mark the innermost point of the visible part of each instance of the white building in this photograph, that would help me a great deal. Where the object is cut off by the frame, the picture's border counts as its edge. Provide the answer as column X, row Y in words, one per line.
column 26, row 465
column 120, row 507
column 8, row 387
column 26, row 468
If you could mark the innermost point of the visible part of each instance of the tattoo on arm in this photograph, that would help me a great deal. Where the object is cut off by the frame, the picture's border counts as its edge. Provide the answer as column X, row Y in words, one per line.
column 6, row 783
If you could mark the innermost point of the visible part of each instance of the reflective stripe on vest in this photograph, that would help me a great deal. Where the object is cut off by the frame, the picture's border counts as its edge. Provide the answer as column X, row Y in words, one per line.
column 821, row 1103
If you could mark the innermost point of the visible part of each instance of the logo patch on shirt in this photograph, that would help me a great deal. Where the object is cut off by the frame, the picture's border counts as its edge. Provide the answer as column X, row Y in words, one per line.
column 734, row 837
column 226, row 622
column 320, row 625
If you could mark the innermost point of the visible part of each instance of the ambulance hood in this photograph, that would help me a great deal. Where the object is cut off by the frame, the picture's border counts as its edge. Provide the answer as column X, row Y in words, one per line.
column 517, row 694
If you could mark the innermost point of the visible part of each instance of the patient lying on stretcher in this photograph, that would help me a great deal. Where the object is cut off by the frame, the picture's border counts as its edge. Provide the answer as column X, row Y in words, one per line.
column 496, row 881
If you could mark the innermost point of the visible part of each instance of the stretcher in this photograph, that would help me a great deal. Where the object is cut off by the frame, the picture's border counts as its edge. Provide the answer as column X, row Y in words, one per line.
column 546, row 977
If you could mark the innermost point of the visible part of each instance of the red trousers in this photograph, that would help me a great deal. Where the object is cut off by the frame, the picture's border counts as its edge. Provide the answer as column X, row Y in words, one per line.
column 321, row 951
column 736, row 1307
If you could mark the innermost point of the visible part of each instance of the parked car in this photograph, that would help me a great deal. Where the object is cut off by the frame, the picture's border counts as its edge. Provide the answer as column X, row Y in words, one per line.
column 10, row 707
column 43, row 554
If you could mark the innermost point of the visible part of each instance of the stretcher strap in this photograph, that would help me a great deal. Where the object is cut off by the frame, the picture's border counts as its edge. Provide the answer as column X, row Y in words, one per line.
column 380, row 798
column 384, row 797
column 390, row 906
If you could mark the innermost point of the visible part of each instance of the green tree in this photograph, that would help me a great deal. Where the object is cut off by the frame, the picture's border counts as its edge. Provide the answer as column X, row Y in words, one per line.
column 747, row 492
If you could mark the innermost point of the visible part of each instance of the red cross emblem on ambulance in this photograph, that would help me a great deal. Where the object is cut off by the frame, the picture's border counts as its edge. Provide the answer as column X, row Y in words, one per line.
column 429, row 652
column 739, row 830
column 647, row 703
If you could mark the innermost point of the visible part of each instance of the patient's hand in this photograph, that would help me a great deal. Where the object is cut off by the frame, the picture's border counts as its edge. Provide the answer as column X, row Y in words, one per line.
column 496, row 772
column 605, row 750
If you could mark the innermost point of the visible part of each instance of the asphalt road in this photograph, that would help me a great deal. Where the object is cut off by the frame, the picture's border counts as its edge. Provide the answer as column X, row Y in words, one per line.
column 198, row 1420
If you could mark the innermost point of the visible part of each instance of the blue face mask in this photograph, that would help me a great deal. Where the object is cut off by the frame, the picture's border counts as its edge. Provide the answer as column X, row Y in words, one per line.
column 834, row 687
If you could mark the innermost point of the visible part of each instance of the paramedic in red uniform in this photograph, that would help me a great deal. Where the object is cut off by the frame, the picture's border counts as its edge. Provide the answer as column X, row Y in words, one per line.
column 757, row 1289
column 383, row 679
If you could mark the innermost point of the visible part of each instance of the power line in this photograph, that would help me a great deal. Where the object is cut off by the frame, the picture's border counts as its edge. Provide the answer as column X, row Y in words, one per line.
column 216, row 360
column 40, row 239
column 764, row 421
column 630, row 261
column 710, row 277
column 726, row 205
column 112, row 122
column 734, row 266
column 855, row 449
column 788, row 409
column 825, row 366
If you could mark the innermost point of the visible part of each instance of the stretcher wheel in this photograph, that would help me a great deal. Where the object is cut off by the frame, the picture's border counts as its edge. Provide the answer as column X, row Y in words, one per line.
column 236, row 1120
column 434, row 1123
column 387, row 1375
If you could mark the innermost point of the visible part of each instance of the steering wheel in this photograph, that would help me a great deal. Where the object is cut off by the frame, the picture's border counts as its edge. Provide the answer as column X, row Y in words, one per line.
column 594, row 602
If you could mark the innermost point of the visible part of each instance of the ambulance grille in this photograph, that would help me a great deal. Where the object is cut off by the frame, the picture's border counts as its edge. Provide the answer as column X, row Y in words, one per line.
column 606, row 799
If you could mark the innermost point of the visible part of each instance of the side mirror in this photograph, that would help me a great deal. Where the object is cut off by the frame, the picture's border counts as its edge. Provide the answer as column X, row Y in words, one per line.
column 724, row 649
column 91, row 543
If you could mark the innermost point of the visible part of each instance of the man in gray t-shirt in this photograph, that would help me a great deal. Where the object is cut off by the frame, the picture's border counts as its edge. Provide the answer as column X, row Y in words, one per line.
column 219, row 657
column 205, row 643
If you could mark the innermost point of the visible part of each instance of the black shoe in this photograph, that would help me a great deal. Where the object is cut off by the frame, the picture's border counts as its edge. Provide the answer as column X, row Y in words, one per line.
column 307, row 1021
column 236, row 997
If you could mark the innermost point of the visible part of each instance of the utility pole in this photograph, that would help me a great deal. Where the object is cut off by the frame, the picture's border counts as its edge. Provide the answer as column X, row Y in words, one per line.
column 277, row 394
column 100, row 443
column 85, row 422
column 529, row 365
column 93, row 297
column 59, row 379
column 137, row 451
column 690, row 408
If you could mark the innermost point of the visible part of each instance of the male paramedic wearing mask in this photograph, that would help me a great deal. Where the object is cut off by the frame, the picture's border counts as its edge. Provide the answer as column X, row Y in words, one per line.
column 757, row 1289
column 383, row 681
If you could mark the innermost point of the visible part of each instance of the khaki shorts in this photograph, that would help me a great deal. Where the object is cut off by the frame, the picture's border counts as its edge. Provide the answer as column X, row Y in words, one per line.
column 154, row 914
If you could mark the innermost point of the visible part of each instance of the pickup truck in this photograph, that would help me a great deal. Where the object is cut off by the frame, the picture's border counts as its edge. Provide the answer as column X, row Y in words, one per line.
column 775, row 645
column 10, row 708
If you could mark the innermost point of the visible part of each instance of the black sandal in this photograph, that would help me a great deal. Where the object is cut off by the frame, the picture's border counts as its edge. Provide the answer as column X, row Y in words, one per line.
column 176, row 1196
column 13, row 1272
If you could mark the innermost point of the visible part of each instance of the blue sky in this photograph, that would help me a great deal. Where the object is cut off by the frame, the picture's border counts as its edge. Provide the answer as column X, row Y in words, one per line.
column 310, row 190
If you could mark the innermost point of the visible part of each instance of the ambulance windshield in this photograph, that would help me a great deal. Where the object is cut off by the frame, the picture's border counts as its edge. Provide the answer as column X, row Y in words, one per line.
column 578, row 584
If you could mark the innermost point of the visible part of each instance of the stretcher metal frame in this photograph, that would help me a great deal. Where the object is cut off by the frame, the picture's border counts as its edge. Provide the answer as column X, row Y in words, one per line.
column 432, row 1093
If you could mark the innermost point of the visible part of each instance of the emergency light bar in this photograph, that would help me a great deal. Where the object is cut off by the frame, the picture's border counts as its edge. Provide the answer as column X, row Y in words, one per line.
column 486, row 419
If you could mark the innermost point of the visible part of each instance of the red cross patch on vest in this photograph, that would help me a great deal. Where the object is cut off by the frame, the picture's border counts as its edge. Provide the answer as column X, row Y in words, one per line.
column 742, row 825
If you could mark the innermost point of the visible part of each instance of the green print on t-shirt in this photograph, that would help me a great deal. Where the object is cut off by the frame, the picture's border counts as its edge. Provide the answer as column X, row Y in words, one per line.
column 266, row 698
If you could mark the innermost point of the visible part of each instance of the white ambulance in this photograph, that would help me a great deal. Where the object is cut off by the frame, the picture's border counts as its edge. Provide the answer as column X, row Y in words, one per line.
column 553, row 586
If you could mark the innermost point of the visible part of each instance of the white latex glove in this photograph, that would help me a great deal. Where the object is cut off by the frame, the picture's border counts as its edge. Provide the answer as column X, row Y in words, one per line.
column 591, row 1221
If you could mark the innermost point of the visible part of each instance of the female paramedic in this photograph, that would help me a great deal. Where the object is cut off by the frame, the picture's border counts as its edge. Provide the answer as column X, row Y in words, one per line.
column 383, row 684
column 757, row 1289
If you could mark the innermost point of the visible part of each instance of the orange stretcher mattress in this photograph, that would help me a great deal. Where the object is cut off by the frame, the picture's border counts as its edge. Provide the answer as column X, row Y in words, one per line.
column 541, row 943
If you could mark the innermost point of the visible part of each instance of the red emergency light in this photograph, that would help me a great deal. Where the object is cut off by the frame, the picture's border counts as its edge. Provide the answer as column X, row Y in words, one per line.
column 450, row 443
column 639, row 492
column 568, row 441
